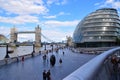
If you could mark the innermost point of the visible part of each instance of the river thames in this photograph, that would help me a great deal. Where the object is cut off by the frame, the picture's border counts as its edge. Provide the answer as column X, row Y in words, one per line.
column 19, row 51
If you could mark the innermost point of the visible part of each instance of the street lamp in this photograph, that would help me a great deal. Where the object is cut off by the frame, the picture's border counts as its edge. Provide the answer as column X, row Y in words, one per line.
column 52, row 47
column 33, row 49
column 45, row 45
column 7, row 56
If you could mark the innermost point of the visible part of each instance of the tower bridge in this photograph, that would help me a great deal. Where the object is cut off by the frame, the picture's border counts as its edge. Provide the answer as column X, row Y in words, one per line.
column 14, row 35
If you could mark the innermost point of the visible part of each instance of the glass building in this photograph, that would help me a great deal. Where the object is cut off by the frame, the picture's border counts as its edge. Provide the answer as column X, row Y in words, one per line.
column 3, row 39
column 100, row 28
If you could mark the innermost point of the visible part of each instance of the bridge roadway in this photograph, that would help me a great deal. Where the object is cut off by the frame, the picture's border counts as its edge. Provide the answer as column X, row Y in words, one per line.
column 32, row 68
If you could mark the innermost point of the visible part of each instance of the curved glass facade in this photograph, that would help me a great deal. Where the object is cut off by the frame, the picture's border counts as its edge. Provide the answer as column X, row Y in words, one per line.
column 3, row 39
column 101, row 26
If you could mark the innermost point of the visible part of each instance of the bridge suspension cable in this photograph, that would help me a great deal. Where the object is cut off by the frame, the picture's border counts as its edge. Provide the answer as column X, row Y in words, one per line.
column 47, row 38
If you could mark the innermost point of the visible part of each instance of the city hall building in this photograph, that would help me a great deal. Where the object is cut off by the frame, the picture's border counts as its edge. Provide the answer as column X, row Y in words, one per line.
column 100, row 28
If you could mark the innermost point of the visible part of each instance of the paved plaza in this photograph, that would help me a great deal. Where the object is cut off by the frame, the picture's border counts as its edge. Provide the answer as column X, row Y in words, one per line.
column 32, row 68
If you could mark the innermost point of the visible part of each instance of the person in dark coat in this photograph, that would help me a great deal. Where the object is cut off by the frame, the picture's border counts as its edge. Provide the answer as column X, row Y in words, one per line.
column 48, row 75
column 44, row 75
column 63, row 52
column 22, row 58
column 60, row 61
column 115, row 62
column 52, row 60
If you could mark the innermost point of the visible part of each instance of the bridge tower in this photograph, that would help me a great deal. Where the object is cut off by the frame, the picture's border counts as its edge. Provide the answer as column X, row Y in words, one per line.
column 38, row 36
column 69, row 41
column 13, row 35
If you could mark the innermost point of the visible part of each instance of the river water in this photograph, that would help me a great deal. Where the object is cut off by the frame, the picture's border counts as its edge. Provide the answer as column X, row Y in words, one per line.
column 19, row 51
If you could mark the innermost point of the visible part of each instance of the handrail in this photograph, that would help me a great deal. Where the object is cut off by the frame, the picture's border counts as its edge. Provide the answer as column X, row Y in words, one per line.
column 91, row 68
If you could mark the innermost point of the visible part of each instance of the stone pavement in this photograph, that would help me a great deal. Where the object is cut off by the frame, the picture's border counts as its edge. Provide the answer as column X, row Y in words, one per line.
column 32, row 68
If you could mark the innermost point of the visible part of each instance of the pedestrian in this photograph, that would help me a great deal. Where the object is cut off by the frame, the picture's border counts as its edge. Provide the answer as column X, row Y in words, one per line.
column 48, row 75
column 52, row 60
column 22, row 58
column 40, row 52
column 44, row 75
column 17, row 59
column 63, row 53
column 60, row 60
column 44, row 57
column 115, row 62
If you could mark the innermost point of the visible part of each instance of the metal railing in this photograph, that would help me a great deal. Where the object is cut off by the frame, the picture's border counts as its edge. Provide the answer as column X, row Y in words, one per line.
column 99, row 68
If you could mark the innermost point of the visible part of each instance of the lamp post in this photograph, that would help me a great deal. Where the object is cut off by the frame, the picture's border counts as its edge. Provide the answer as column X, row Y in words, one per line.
column 7, row 56
column 45, row 45
column 33, row 49
column 52, row 47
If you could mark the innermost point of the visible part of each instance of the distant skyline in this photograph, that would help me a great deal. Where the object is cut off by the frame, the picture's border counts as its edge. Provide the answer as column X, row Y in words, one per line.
column 57, row 18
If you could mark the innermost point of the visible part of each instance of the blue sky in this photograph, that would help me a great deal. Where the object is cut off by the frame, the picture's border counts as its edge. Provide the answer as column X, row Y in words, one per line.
column 57, row 18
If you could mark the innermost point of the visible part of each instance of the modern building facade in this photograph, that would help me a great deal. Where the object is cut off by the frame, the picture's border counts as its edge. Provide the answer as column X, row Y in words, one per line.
column 3, row 39
column 99, row 28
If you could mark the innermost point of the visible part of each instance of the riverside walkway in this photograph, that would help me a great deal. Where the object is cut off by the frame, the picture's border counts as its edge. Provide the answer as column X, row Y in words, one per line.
column 32, row 68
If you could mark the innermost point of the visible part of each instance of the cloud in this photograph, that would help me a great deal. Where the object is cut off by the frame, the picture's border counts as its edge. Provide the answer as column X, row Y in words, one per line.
column 19, row 19
column 4, row 31
column 63, row 13
column 109, row 3
column 24, row 6
column 24, row 10
column 49, row 17
column 56, row 2
column 116, row 4
column 20, row 12
column 54, row 23
column 55, row 35
column 64, row 2
column 55, row 16
column 97, row 4
column 58, row 34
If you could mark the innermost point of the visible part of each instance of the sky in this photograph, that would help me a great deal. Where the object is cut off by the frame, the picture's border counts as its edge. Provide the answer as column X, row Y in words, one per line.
column 57, row 18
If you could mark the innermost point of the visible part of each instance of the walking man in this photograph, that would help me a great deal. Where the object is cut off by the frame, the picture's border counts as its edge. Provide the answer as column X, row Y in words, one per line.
column 60, row 60
column 48, row 75
column 44, row 75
